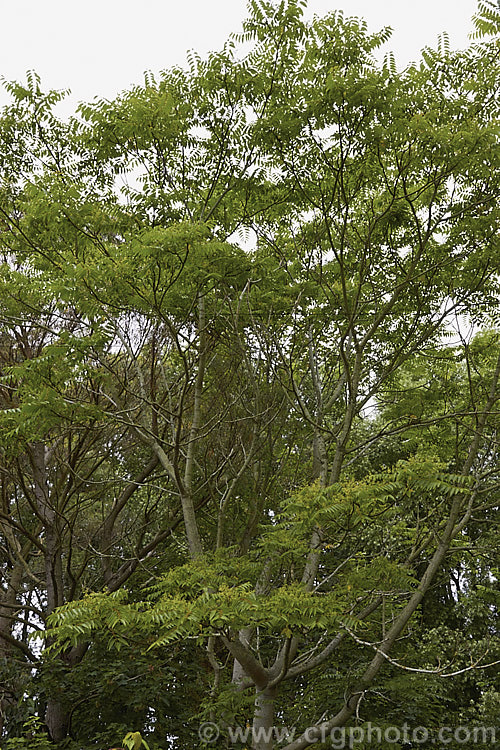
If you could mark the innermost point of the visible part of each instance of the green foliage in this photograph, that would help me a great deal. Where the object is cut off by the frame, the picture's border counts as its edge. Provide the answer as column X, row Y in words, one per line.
column 34, row 737
column 486, row 20
column 241, row 451
column 134, row 741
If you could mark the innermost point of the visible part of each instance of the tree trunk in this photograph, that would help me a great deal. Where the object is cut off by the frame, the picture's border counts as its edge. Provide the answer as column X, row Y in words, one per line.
column 57, row 720
column 263, row 722
column 6, row 648
column 56, row 715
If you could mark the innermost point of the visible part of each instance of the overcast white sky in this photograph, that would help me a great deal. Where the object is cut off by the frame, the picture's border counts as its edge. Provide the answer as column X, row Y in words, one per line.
column 100, row 47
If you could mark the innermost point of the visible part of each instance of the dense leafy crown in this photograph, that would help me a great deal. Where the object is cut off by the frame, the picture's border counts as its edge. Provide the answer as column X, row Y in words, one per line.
column 249, row 393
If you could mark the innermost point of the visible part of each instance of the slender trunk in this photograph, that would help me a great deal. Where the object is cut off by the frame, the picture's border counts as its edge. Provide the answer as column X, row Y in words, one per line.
column 56, row 714
column 319, row 453
column 190, row 522
column 51, row 528
column 107, row 532
column 263, row 721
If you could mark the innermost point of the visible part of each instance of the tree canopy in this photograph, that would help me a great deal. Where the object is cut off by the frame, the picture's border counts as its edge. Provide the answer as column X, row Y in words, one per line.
column 249, row 393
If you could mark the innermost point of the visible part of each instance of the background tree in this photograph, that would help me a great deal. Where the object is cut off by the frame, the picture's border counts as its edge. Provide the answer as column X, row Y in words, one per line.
column 266, row 460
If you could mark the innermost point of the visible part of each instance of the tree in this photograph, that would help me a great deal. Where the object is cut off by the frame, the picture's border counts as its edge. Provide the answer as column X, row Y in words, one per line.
column 281, row 437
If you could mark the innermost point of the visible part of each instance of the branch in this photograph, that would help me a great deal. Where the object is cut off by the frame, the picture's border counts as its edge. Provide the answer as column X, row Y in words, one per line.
column 250, row 664
column 439, row 672
column 20, row 645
